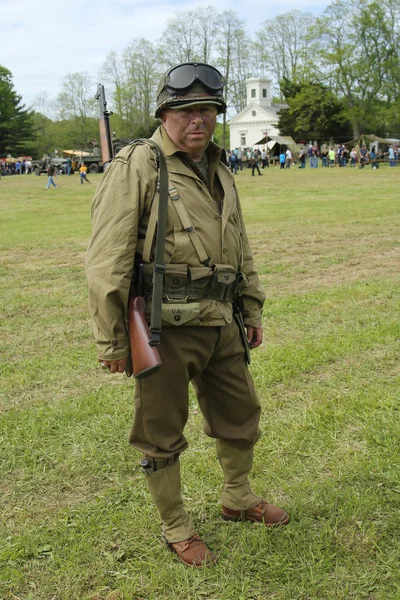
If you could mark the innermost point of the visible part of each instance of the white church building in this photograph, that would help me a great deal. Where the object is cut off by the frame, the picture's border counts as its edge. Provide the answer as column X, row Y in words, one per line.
column 258, row 119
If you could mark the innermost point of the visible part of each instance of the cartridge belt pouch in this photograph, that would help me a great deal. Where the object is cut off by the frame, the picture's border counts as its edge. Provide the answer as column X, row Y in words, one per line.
column 184, row 284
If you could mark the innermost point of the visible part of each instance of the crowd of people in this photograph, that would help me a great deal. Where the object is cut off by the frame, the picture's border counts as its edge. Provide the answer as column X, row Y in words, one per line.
column 340, row 156
column 326, row 156
column 253, row 158
column 19, row 167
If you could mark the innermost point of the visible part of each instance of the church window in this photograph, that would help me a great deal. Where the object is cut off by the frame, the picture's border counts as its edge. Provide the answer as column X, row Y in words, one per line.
column 264, row 93
column 243, row 140
column 253, row 93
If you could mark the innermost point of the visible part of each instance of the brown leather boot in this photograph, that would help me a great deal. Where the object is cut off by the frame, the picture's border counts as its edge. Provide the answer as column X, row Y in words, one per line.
column 193, row 552
column 266, row 513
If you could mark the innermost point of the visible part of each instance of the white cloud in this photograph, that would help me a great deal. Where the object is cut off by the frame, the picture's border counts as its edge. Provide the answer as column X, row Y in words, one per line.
column 43, row 41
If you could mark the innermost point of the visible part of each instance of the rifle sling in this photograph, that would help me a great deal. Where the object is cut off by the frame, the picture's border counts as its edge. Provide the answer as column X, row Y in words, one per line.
column 151, row 229
column 159, row 264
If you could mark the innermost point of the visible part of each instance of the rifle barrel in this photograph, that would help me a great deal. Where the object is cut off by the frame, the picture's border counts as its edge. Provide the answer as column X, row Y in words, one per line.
column 107, row 153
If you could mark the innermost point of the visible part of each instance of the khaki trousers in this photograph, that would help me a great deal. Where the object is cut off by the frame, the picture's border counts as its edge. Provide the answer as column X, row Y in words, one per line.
column 212, row 358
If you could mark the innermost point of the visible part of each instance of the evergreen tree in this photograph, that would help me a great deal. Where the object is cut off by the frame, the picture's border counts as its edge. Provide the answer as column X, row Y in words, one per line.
column 16, row 122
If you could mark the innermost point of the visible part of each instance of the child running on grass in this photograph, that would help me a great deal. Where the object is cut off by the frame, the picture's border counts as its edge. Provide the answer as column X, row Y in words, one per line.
column 82, row 173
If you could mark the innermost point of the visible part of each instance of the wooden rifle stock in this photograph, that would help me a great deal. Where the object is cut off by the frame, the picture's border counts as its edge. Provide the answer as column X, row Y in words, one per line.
column 145, row 358
column 106, row 154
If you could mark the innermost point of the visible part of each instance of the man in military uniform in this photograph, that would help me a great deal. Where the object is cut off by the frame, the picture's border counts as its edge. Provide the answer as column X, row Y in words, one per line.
column 208, row 266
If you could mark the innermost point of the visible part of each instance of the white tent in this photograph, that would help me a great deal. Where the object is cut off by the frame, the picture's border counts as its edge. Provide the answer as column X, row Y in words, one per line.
column 282, row 140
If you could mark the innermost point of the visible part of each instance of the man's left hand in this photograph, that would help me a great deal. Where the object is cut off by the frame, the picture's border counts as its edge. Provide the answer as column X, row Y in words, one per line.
column 254, row 336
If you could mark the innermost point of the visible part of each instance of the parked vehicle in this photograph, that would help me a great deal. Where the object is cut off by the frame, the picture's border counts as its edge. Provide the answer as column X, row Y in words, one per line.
column 92, row 161
column 41, row 166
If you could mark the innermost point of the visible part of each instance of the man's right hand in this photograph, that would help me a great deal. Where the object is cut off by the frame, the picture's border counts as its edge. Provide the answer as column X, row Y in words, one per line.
column 114, row 366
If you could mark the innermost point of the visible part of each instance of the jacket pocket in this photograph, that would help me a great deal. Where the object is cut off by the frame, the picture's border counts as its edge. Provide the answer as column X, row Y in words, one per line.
column 181, row 314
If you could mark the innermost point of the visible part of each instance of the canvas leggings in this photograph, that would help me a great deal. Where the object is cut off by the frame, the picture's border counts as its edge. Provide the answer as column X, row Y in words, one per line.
column 212, row 358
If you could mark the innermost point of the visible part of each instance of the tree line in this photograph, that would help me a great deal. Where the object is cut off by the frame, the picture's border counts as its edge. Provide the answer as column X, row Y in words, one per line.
column 338, row 73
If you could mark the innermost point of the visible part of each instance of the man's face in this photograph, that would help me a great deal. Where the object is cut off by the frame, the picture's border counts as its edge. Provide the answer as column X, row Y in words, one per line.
column 191, row 128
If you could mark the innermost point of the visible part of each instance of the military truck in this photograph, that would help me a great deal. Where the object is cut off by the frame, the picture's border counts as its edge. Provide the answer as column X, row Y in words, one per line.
column 41, row 166
column 94, row 162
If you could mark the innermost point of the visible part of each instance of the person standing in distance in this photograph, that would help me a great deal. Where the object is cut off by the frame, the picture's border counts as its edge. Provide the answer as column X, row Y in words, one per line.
column 208, row 265
column 69, row 166
column 51, row 171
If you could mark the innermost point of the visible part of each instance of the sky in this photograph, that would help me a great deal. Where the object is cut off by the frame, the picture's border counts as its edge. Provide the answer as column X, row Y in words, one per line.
column 42, row 41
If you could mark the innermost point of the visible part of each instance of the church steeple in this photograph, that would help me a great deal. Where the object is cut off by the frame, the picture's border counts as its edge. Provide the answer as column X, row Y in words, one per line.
column 259, row 91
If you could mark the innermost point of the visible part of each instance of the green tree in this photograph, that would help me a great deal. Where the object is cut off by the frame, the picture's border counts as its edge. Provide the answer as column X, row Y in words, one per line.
column 243, row 65
column 132, row 81
column 190, row 36
column 231, row 37
column 142, row 73
column 76, row 105
column 218, row 134
column 359, row 57
column 16, row 122
column 283, row 46
column 313, row 113
column 207, row 31
column 43, row 124
column 44, row 133
column 179, row 38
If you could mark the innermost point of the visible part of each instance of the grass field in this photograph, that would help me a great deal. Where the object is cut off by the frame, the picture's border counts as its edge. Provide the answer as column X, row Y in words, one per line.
column 76, row 520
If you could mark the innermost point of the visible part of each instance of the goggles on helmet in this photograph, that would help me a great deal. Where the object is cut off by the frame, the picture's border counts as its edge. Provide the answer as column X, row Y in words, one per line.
column 179, row 79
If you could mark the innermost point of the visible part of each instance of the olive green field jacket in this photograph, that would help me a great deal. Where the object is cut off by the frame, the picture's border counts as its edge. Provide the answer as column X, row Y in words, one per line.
column 121, row 211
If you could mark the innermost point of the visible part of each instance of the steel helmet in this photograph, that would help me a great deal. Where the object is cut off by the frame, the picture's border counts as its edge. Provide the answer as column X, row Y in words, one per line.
column 203, row 82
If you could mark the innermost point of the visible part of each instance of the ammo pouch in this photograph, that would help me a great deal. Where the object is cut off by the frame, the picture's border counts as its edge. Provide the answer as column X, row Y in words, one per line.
column 185, row 286
column 226, row 284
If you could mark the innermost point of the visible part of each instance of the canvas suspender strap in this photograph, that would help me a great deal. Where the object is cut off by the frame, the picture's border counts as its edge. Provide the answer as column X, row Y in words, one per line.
column 188, row 227
column 186, row 224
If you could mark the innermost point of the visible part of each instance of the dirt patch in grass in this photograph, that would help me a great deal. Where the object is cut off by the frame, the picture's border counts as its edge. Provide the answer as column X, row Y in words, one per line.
column 370, row 266
column 43, row 505
column 303, row 268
